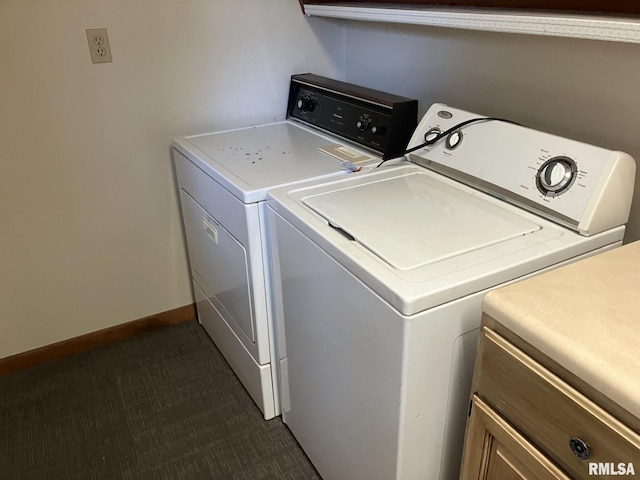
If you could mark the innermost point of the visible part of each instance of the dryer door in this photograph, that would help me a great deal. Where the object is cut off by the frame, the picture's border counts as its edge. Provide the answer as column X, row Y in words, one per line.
column 219, row 265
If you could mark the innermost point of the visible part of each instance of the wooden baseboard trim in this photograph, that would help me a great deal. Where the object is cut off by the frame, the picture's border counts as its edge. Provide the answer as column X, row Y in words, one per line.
column 87, row 342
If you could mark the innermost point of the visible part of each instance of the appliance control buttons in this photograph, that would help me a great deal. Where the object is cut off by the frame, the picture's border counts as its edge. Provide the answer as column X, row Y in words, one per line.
column 378, row 130
column 445, row 114
column 431, row 134
column 306, row 104
column 454, row 139
column 556, row 175
column 364, row 122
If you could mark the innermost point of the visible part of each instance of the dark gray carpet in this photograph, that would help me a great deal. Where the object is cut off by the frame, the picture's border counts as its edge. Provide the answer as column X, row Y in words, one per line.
column 164, row 405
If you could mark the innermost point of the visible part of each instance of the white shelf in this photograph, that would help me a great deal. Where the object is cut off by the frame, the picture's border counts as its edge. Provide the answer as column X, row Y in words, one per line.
column 616, row 29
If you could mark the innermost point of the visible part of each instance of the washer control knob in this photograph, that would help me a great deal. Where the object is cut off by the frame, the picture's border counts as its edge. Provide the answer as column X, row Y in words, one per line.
column 431, row 134
column 364, row 122
column 454, row 139
column 306, row 104
column 556, row 175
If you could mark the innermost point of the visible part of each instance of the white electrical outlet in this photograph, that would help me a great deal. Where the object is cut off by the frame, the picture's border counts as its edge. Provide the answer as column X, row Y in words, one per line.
column 99, row 45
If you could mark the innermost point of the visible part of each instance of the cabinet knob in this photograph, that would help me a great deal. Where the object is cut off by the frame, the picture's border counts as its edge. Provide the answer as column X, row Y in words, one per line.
column 580, row 448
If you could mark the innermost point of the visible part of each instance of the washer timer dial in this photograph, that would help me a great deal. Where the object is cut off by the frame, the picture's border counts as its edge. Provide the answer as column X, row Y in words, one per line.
column 556, row 176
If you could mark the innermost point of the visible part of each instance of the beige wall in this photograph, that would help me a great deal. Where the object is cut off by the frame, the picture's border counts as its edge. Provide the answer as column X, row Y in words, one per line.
column 90, row 234
column 583, row 89
column 89, row 228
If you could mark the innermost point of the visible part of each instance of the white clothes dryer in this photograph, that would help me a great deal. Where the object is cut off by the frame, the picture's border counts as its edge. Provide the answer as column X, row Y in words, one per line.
column 379, row 280
column 223, row 178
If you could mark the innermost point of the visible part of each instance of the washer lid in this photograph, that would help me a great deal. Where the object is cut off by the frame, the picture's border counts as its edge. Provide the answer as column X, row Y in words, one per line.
column 413, row 220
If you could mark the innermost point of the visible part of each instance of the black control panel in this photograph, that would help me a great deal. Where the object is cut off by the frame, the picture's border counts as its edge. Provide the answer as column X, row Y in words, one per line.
column 376, row 120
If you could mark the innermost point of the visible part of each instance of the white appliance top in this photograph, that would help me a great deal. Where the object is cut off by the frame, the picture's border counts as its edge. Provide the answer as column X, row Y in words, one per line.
column 487, row 202
column 413, row 220
column 249, row 161
column 419, row 239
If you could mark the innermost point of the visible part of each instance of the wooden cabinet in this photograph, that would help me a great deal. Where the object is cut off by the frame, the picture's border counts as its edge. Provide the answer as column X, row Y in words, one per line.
column 615, row 20
column 612, row 6
column 498, row 451
column 528, row 423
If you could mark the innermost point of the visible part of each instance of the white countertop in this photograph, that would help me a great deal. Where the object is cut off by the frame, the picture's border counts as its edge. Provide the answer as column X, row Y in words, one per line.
column 586, row 317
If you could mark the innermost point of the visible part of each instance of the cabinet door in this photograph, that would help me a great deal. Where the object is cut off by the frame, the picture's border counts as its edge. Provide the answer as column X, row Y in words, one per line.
column 494, row 450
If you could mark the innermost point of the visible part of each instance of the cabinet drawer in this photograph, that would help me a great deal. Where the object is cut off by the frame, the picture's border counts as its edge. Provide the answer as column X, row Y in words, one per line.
column 548, row 411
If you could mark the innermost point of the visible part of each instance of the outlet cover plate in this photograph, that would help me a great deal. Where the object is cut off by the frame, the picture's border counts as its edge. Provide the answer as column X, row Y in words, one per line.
column 99, row 45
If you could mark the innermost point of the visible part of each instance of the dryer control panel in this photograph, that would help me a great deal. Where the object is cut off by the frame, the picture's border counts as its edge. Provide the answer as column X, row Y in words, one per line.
column 379, row 121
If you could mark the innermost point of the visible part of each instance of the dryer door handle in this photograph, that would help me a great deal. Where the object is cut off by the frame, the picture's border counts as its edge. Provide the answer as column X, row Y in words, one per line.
column 210, row 229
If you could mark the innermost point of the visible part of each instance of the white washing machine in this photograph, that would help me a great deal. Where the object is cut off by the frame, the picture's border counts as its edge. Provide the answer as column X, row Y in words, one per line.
column 380, row 277
column 223, row 178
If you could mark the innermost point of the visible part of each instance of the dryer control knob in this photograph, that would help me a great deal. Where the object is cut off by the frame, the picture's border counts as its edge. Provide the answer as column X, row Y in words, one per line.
column 364, row 122
column 556, row 176
column 306, row 104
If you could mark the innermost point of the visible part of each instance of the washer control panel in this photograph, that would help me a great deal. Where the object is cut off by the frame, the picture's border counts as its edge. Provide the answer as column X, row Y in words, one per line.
column 581, row 186
column 376, row 120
